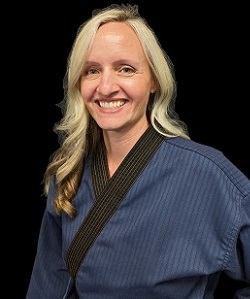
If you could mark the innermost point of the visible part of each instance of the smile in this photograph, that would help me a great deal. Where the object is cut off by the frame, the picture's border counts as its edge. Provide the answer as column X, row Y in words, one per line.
column 111, row 105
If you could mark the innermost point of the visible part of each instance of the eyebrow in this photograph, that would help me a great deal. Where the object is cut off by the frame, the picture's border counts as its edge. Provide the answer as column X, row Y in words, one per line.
column 116, row 62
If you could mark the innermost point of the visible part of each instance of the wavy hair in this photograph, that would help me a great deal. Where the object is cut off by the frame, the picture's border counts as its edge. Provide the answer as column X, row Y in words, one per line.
column 78, row 134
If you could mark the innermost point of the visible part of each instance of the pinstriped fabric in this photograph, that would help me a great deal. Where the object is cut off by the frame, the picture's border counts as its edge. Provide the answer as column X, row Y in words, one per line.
column 109, row 193
column 99, row 171
column 183, row 222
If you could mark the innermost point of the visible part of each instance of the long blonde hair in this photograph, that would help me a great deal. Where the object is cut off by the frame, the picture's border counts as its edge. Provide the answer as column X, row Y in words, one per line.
column 73, row 130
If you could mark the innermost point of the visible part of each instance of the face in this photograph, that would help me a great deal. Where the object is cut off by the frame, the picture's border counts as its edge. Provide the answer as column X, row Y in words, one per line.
column 116, row 81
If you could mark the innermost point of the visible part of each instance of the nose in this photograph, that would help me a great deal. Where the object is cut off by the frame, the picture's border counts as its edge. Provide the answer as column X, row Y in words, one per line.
column 108, row 83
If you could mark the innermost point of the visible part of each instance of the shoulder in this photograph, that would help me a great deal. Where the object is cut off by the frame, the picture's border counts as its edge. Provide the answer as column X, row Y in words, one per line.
column 190, row 147
column 200, row 159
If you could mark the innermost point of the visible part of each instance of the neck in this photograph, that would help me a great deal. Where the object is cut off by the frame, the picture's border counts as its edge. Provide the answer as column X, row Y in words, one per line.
column 118, row 145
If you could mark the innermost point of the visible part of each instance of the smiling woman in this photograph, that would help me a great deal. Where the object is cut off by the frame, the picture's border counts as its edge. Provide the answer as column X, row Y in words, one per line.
column 135, row 208
column 116, row 87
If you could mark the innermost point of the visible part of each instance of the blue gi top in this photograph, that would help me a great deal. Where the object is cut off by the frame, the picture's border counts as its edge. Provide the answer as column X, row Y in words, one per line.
column 184, row 221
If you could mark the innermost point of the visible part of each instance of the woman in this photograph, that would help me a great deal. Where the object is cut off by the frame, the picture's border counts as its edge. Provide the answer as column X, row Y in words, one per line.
column 174, row 214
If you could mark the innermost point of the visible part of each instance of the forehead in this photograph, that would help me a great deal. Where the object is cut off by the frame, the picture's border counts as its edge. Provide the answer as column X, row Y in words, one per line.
column 116, row 38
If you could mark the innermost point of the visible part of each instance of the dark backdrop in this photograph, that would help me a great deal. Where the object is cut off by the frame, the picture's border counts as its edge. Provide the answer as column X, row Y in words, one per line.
column 208, row 48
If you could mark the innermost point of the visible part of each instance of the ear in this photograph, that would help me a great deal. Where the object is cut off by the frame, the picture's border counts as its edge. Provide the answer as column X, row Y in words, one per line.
column 153, row 88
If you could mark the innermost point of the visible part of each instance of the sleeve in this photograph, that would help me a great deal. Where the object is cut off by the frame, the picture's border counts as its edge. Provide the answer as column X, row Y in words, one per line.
column 239, row 269
column 49, row 278
column 244, row 239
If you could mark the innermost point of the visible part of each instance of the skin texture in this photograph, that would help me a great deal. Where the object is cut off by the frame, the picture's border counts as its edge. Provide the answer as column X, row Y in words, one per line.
column 118, row 76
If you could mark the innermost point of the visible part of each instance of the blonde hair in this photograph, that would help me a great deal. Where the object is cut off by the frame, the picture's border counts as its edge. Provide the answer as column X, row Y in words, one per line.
column 73, row 130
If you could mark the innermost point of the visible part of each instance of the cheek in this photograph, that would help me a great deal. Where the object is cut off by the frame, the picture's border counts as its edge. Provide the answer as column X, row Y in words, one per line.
column 140, row 95
column 138, row 90
column 86, row 91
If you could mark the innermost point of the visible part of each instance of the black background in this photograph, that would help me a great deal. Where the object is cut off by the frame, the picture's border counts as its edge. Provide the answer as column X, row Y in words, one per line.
column 208, row 46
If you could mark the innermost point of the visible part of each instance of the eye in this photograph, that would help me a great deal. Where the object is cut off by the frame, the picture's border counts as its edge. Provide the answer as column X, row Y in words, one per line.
column 127, row 70
column 91, row 72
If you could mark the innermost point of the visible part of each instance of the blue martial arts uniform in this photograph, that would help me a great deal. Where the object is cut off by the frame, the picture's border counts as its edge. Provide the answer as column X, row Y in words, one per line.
column 183, row 222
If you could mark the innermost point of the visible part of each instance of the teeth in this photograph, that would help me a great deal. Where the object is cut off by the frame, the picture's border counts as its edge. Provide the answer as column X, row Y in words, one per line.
column 111, row 105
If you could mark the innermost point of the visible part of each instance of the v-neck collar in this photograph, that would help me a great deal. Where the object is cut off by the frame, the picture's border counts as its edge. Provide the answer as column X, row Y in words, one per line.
column 130, row 168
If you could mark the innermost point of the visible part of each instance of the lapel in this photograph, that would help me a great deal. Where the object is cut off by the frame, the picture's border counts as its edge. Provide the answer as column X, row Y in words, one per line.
column 131, row 167
column 109, row 192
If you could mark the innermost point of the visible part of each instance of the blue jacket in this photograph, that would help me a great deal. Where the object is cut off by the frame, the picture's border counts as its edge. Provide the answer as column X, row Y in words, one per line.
column 182, row 223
